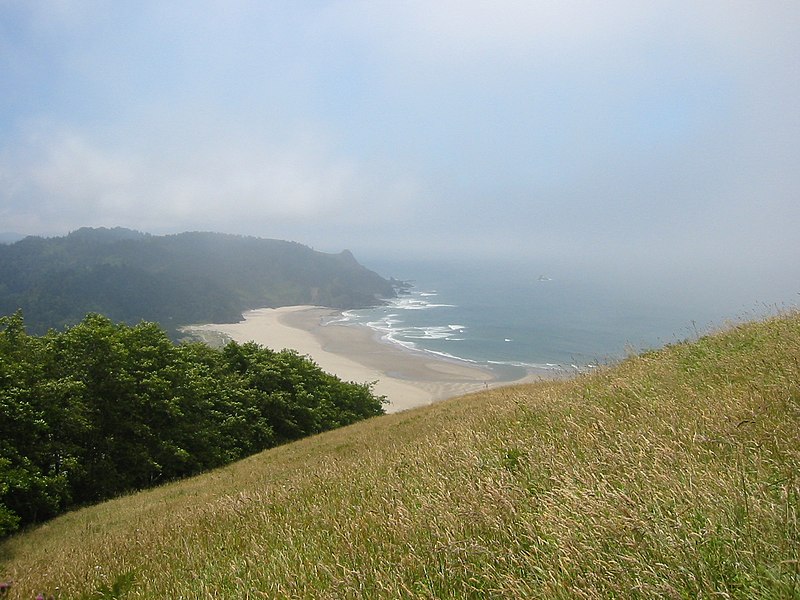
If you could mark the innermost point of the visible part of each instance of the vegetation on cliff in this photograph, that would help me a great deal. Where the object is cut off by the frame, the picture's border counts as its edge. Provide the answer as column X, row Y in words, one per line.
column 173, row 280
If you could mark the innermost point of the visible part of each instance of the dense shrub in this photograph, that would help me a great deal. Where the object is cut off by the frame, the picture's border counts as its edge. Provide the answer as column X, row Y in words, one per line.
column 104, row 408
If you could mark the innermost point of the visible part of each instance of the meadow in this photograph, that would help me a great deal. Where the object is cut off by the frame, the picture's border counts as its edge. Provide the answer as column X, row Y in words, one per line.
column 674, row 474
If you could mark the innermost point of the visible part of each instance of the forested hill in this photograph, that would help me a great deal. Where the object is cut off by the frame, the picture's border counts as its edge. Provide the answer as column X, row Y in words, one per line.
column 173, row 279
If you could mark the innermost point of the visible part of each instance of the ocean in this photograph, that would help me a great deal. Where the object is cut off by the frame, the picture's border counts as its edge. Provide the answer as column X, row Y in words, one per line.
column 517, row 317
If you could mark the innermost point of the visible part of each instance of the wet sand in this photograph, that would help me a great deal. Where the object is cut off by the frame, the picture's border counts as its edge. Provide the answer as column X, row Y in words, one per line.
column 354, row 352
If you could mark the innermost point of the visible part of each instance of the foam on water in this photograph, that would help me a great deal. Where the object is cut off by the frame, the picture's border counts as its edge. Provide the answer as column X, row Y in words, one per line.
column 418, row 322
column 507, row 318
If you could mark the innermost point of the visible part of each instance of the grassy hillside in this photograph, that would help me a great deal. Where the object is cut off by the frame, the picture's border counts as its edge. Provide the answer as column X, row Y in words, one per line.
column 675, row 474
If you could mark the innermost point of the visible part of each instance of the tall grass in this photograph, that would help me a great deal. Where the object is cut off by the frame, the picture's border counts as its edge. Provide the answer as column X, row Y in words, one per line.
column 675, row 474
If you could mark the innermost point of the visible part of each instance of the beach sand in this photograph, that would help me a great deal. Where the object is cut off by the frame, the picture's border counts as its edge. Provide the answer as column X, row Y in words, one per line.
column 356, row 353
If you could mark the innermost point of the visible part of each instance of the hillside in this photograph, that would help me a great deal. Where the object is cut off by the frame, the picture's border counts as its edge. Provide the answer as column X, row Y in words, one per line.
column 173, row 279
column 674, row 474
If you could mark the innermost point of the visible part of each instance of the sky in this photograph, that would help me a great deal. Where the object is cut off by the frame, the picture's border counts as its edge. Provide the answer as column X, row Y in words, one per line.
column 659, row 135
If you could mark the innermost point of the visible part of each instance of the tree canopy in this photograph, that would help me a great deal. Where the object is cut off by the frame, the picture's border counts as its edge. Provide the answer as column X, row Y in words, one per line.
column 173, row 280
column 104, row 408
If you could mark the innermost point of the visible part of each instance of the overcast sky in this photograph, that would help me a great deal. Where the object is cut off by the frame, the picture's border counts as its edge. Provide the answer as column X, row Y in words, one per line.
column 615, row 131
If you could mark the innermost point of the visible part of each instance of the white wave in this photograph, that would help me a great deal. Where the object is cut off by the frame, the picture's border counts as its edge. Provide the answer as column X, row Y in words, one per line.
column 416, row 304
column 427, row 333
column 344, row 317
column 438, row 331
column 384, row 325
column 389, row 337
column 420, row 305
column 407, row 337
column 524, row 365
column 453, row 357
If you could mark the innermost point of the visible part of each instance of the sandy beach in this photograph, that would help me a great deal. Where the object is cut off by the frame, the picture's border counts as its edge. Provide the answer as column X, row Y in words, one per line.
column 406, row 377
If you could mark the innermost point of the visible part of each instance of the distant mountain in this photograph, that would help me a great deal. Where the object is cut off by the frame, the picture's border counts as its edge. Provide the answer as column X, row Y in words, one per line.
column 174, row 280
column 9, row 237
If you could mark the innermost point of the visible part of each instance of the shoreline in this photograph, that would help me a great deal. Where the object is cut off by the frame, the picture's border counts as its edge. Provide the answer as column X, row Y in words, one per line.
column 408, row 378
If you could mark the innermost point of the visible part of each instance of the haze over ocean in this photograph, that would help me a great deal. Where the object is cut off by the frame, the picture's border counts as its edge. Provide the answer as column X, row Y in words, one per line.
column 514, row 315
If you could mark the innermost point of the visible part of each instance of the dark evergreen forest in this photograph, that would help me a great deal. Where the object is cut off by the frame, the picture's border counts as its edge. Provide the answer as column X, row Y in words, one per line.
column 103, row 408
column 173, row 280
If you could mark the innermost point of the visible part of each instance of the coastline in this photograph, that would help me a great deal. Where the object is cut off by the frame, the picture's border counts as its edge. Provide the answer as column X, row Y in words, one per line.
column 407, row 378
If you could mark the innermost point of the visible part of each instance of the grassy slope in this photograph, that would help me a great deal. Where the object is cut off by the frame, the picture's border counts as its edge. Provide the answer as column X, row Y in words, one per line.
column 674, row 474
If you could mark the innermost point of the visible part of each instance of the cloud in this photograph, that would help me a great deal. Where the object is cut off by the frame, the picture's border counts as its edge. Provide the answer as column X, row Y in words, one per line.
column 59, row 179
column 600, row 129
column 453, row 30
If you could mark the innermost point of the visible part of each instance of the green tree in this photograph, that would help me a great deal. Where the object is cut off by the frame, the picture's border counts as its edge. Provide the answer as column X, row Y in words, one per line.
column 104, row 408
column 34, row 482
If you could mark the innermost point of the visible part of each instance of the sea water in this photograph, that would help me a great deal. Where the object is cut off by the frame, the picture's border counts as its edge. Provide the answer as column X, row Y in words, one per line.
column 519, row 317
